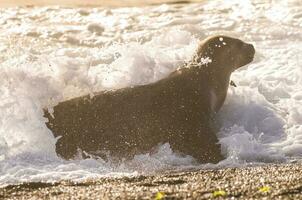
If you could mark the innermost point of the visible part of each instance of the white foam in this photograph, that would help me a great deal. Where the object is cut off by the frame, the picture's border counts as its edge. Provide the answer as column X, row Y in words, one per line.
column 52, row 54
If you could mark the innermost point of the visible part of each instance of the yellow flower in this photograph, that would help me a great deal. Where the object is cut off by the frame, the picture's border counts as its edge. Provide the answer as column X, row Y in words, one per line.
column 264, row 189
column 159, row 196
column 219, row 193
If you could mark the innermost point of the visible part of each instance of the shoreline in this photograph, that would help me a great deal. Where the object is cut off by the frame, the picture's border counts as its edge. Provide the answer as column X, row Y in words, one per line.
column 278, row 181
column 269, row 181
column 91, row 3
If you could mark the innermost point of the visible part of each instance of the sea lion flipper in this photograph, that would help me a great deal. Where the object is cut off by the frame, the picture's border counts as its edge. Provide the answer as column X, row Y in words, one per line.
column 203, row 146
column 232, row 83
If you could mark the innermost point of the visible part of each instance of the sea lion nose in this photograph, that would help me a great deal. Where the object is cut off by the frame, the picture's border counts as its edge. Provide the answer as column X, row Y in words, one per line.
column 252, row 48
column 249, row 49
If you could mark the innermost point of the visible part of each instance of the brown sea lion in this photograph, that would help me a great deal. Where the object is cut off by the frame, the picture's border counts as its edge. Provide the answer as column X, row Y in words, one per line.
column 178, row 109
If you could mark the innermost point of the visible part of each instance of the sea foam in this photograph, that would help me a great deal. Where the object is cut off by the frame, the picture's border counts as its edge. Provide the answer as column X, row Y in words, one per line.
column 51, row 54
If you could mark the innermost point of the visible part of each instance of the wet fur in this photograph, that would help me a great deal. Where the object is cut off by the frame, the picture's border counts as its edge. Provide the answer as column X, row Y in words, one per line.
column 178, row 109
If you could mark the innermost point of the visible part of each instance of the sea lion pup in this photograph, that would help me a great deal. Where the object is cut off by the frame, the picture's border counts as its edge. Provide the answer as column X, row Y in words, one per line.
column 178, row 109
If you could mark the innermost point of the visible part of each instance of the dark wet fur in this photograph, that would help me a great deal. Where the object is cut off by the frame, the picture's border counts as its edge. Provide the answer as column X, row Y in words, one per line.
column 129, row 121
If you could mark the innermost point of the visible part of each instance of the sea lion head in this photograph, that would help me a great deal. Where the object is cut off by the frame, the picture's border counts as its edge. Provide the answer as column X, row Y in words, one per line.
column 225, row 53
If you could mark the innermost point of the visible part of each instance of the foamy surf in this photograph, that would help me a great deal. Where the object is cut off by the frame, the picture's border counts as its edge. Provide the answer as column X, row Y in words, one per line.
column 51, row 54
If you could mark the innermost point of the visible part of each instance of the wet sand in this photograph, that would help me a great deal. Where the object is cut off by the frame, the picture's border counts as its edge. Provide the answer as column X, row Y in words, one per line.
column 282, row 181
column 89, row 3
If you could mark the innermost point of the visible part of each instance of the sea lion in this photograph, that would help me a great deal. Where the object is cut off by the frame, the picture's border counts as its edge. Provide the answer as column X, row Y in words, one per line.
column 178, row 109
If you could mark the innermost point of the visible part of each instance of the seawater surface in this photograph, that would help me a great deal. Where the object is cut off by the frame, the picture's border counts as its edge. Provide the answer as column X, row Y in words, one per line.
column 51, row 54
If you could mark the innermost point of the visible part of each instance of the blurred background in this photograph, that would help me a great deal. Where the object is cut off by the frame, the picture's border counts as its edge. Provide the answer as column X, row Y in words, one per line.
column 90, row 3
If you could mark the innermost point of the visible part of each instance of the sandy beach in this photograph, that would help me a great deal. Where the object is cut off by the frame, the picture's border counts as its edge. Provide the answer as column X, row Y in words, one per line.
column 52, row 53
column 283, row 181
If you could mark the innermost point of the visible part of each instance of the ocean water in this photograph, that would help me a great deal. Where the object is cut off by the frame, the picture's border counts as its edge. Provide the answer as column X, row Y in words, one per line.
column 51, row 54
